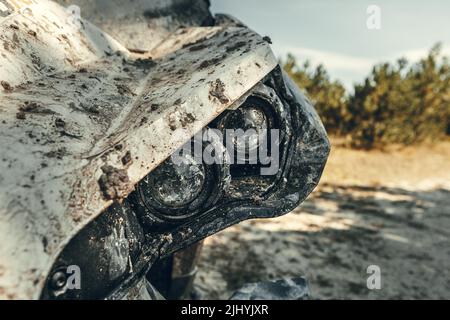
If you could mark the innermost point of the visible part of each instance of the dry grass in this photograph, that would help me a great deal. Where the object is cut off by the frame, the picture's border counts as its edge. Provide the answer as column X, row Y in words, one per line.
column 416, row 166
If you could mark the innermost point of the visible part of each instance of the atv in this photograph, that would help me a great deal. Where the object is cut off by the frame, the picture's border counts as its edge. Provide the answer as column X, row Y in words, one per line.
column 129, row 132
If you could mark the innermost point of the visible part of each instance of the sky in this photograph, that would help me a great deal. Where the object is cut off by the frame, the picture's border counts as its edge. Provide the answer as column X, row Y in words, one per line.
column 335, row 33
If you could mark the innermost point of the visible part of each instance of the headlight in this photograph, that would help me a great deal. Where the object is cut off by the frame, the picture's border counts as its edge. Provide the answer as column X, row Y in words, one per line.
column 181, row 189
column 252, row 121
column 256, row 135
column 174, row 185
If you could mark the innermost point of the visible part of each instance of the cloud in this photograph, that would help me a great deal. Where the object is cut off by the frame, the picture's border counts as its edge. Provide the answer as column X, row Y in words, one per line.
column 417, row 54
column 333, row 61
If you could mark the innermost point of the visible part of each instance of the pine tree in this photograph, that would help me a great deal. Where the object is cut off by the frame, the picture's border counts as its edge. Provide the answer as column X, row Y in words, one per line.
column 396, row 104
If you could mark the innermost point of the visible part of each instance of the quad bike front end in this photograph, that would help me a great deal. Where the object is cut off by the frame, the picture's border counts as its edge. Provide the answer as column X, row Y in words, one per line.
column 119, row 151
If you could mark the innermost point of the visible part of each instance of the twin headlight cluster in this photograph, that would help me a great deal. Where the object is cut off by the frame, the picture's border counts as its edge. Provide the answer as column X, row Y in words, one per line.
column 237, row 157
column 260, row 159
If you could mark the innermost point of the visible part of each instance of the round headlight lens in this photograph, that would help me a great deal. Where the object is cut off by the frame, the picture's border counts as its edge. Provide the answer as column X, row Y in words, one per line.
column 252, row 121
column 182, row 187
column 177, row 185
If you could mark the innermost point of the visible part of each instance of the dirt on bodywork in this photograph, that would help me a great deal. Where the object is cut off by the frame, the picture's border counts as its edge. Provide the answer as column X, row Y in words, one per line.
column 114, row 183
column 71, row 93
column 6, row 86
column 218, row 91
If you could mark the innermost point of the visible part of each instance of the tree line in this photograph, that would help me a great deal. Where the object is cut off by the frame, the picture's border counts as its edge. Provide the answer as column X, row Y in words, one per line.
column 397, row 103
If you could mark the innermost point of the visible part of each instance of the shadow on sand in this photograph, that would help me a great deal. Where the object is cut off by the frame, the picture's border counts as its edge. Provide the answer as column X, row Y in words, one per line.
column 332, row 239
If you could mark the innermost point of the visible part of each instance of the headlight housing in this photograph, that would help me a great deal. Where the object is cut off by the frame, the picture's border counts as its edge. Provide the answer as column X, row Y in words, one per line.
column 177, row 205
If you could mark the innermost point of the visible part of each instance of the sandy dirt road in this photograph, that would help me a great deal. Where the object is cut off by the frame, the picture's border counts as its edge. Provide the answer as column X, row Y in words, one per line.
column 390, row 209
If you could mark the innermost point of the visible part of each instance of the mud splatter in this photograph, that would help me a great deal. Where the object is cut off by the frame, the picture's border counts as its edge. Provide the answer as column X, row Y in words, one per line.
column 267, row 39
column 198, row 47
column 123, row 89
column 114, row 183
column 218, row 91
column 58, row 154
column 236, row 46
column 6, row 86
column 126, row 159
column 21, row 115
column 35, row 108
column 207, row 63
column 187, row 119
column 60, row 123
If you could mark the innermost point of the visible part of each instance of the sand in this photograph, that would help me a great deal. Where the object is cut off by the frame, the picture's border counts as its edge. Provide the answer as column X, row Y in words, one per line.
column 385, row 208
